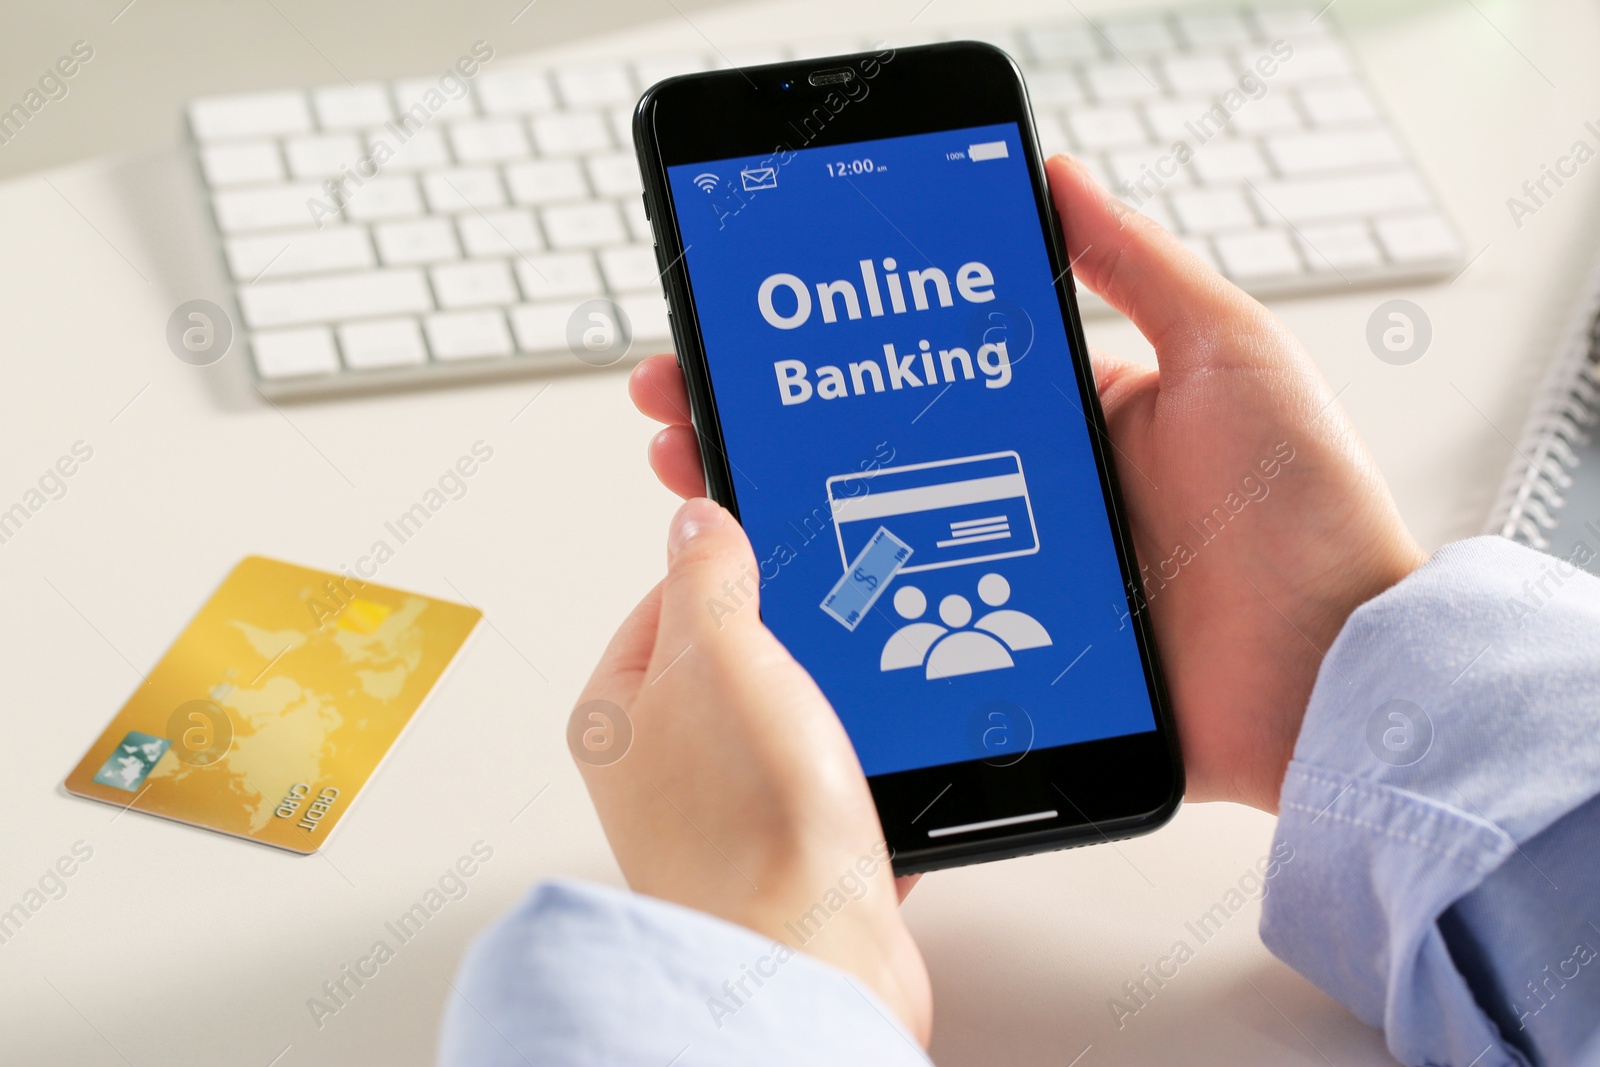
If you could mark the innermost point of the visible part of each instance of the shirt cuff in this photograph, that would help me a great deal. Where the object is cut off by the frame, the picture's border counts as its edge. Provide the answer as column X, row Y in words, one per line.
column 581, row 974
column 1452, row 721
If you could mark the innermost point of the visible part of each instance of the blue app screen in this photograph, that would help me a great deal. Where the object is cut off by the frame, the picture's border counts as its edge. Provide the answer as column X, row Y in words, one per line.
column 908, row 450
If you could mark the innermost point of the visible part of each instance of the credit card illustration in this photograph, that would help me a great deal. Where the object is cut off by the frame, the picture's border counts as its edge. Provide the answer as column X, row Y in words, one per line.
column 950, row 512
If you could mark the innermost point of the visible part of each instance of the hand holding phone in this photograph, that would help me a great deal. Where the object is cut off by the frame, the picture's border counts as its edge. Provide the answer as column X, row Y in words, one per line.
column 1244, row 615
column 733, row 789
column 1244, row 622
column 1232, row 380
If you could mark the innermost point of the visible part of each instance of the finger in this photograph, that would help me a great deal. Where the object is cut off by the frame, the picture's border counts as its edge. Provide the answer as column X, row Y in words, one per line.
column 657, row 390
column 1140, row 269
column 622, row 666
column 709, row 596
column 675, row 457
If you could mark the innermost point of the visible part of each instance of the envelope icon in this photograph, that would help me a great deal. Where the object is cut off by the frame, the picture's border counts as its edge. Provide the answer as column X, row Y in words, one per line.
column 758, row 178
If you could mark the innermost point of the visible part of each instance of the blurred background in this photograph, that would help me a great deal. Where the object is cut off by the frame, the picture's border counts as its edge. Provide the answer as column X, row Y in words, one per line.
column 178, row 946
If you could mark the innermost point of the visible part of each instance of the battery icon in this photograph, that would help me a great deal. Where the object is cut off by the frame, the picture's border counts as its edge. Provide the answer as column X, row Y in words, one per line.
column 987, row 150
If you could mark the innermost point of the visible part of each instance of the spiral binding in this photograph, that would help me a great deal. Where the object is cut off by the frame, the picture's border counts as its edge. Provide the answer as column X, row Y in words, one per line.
column 1567, row 411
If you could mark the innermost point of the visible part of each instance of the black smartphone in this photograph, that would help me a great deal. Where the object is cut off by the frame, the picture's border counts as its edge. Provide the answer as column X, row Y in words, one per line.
column 875, row 316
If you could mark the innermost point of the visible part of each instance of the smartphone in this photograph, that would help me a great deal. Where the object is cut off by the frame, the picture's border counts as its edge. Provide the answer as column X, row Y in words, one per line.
column 875, row 316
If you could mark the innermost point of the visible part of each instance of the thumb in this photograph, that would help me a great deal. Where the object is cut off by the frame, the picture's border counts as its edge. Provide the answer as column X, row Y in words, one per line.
column 711, row 592
column 1143, row 271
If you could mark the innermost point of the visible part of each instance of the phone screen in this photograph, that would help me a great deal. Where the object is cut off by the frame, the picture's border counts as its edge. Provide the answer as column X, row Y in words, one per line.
column 909, row 454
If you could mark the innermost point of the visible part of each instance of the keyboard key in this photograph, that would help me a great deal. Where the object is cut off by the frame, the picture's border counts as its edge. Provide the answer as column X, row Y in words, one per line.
column 647, row 314
column 1055, row 88
column 348, row 107
column 382, row 343
column 1106, row 127
column 334, row 297
column 1313, row 200
column 542, row 327
column 464, row 189
column 275, row 208
column 1146, row 171
column 622, row 125
column 422, row 150
column 570, row 133
column 384, row 198
column 489, row 140
column 1334, row 150
column 825, row 47
column 1290, row 21
column 310, row 252
column 1205, row 28
column 562, row 274
column 428, row 98
column 631, row 267
column 1313, row 61
column 583, row 225
column 1418, row 238
column 638, row 221
column 1341, row 246
column 593, row 84
column 483, row 284
column 241, row 163
column 1228, row 160
column 1177, row 120
column 1211, row 210
column 1117, row 81
column 903, row 37
column 754, row 55
column 468, row 335
column 1268, row 114
column 648, row 71
column 1135, row 35
column 1199, row 74
column 615, row 175
column 1264, row 253
column 322, row 156
column 250, row 115
column 417, row 241
column 499, row 233
column 1049, row 44
column 546, row 181
column 515, row 92
column 294, row 353
column 1333, row 105
column 1005, row 40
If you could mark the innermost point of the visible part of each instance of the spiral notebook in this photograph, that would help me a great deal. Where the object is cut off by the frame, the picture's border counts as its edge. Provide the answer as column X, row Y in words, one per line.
column 1551, row 496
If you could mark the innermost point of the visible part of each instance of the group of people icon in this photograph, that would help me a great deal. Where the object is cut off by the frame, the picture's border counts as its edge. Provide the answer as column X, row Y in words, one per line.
column 952, row 649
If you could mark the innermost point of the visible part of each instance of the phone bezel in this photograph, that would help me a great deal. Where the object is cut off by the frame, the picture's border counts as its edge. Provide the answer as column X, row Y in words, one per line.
column 1120, row 786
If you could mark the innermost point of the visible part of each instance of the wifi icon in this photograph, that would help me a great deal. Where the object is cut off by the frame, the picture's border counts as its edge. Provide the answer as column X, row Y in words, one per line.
column 707, row 181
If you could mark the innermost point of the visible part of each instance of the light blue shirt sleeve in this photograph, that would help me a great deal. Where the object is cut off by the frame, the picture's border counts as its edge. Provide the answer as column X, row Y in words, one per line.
column 580, row 974
column 1442, row 805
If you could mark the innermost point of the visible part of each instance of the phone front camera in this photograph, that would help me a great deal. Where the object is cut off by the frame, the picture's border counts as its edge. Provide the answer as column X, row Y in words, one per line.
column 786, row 86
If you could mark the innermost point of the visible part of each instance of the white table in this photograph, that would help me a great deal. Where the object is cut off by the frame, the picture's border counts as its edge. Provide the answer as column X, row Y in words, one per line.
column 178, row 946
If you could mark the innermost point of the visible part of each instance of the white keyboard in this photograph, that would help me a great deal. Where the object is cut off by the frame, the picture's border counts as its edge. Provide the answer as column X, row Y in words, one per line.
column 478, row 227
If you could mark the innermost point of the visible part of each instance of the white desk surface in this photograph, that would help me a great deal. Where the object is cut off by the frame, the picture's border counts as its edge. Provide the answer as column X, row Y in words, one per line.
column 179, row 946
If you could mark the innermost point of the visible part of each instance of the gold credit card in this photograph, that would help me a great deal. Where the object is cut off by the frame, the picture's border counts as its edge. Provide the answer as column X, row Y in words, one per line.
column 276, row 703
